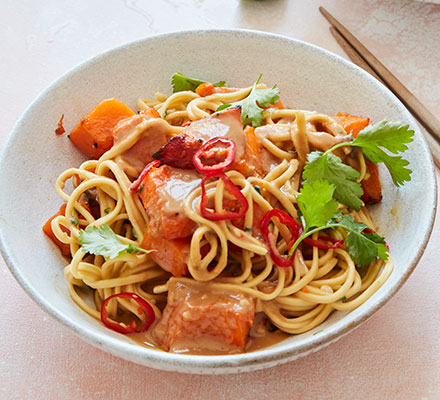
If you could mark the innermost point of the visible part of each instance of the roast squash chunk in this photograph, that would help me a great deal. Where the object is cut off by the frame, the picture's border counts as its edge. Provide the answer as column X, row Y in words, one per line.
column 94, row 133
column 169, row 230
column 371, row 185
column 170, row 254
column 47, row 229
column 200, row 318
column 163, row 191
column 351, row 123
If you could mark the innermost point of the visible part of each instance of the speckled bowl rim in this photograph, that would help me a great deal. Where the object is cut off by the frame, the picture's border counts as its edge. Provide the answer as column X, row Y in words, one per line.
column 264, row 358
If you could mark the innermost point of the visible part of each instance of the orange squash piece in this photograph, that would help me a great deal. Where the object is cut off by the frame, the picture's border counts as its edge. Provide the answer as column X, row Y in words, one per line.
column 205, row 89
column 170, row 254
column 167, row 225
column 351, row 123
column 169, row 234
column 150, row 113
column 253, row 154
column 371, row 186
column 94, row 134
column 47, row 229
column 219, row 322
column 279, row 104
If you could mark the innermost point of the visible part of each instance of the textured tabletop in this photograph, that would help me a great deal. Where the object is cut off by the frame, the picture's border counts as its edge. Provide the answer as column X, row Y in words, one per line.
column 396, row 354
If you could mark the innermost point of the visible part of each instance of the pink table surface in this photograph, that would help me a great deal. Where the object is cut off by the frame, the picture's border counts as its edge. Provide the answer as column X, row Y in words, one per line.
column 396, row 354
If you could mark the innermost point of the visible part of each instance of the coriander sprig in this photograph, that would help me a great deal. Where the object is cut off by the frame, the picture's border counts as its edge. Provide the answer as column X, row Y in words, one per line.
column 102, row 241
column 392, row 136
column 319, row 211
column 182, row 83
column 253, row 105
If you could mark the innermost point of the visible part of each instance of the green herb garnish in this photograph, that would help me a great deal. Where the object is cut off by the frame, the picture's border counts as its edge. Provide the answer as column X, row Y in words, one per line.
column 319, row 211
column 252, row 106
column 74, row 221
column 102, row 241
column 182, row 83
column 393, row 136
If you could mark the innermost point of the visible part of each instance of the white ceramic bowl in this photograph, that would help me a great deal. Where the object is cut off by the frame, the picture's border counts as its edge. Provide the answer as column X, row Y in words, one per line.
column 309, row 78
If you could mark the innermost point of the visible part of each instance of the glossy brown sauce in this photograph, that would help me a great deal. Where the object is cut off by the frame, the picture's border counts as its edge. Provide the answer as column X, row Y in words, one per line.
column 155, row 133
column 200, row 318
column 181, row 183
column 224, row 125
column 268, row 339
column 172, row 196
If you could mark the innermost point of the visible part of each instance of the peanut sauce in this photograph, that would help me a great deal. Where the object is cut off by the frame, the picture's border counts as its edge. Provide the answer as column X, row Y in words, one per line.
column 181, row 184
column 266, row 339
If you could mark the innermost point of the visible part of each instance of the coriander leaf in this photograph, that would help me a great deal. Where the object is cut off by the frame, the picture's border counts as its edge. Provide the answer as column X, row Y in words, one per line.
column 219, row 84
column 131, row 249
column 103, row 241
column 347, row 221
column 316, row 203
column 395, row 164
column 382, row 251
column 182, row 83
column 253, row 105
column 251, row 112
column 320, row 212
column 258, row 189
column 223, row 107
column 327, row 166
column 391, row 135
column 394, row 137
column 362, row 247
column 375, row 237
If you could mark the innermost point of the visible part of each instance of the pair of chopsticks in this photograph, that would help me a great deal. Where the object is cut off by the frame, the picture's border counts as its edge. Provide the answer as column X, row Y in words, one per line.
column 362, row 57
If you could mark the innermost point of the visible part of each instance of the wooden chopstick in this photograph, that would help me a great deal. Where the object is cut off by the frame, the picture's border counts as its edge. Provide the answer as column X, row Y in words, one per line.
column 420, row 112
column 360, row 62
column 352, row 53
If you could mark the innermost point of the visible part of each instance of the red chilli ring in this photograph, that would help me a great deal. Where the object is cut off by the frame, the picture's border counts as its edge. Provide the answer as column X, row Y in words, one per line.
column 144, row 308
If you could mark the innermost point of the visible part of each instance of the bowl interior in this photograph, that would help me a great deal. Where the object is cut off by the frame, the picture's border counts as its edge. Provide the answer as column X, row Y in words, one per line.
column 309, row 78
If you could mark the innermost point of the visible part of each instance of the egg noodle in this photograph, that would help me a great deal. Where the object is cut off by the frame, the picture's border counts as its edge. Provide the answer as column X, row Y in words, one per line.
column 295, row 299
